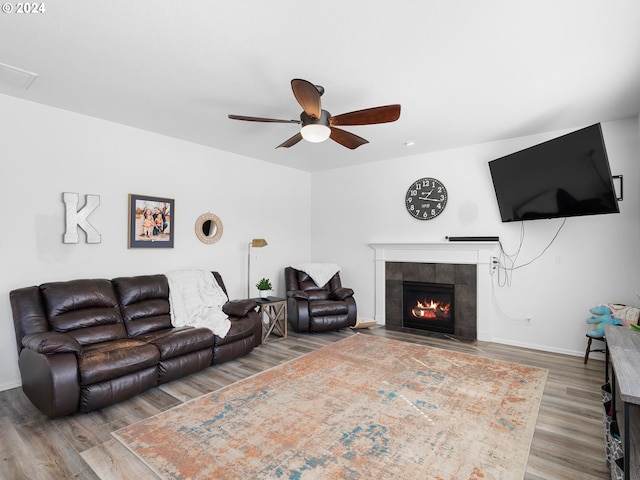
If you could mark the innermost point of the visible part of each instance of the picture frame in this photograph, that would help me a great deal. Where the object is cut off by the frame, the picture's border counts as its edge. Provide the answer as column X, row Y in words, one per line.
column 151, row 221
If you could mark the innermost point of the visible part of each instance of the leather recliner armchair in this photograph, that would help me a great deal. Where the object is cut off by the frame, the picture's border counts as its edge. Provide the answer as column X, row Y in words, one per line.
column 313, row 308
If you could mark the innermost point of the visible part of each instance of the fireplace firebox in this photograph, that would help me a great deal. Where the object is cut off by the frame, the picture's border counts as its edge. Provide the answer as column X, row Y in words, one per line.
column 428, row 306
column 463, row 277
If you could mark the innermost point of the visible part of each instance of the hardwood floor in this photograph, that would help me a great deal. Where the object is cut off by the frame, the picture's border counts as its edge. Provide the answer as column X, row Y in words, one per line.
column 567, row 444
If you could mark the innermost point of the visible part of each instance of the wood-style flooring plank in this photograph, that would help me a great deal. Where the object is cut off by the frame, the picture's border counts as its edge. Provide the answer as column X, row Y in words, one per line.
column 45, row 454
column 113, row 461
column 14, row 453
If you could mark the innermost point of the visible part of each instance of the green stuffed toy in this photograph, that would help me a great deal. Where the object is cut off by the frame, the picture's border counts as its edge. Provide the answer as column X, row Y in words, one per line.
column 602, row 316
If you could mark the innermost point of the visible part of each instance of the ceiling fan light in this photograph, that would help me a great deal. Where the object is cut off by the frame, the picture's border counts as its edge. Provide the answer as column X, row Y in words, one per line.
column 315, row 133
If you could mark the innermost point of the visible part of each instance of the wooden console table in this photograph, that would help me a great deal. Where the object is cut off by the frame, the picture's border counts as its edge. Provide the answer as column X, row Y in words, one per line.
column 623, row 350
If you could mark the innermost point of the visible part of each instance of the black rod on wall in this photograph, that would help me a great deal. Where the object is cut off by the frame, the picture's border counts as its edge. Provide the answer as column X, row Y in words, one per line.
column 617, row 185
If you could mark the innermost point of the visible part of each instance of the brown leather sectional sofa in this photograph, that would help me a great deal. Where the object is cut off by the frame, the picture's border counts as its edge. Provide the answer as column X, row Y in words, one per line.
column 86, row 344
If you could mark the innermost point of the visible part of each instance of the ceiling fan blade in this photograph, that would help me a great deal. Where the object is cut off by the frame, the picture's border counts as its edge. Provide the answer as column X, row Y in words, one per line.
column 346, row 139
column 368, row 116
column 292, row 141
column 307, row 96
column 260, row 119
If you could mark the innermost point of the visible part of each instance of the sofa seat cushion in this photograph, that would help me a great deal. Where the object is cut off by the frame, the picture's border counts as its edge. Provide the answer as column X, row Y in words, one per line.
column 182, row 341
column 240, row 328
column 102, row 394
column 233, row 350
column 108, row 360
column 183, row 365
column 322, row 308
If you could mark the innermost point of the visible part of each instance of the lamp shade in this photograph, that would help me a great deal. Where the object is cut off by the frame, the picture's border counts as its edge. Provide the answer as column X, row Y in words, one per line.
column 258, row 242
column 315, row 133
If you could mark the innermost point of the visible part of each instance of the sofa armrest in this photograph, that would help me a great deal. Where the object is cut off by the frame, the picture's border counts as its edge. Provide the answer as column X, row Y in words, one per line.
column 50, row 382
column 51, row 342
column 342, row 293
column 239, row 308
column 298, row 294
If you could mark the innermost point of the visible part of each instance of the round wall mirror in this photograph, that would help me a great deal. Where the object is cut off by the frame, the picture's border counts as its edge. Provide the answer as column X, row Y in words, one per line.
column 208, row 228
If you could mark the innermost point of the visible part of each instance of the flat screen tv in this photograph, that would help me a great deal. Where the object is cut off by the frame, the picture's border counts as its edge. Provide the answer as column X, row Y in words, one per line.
column 563, row 177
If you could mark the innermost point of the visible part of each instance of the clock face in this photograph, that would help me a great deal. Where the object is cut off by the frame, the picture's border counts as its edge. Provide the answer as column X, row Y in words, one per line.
column 426, row 198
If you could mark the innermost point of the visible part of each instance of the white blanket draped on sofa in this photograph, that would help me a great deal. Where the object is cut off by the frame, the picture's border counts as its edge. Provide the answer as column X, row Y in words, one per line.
column 196, row 299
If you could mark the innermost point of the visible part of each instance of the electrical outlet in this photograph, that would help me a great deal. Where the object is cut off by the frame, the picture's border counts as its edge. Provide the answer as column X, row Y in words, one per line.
column 493, row 265
column 529, row 320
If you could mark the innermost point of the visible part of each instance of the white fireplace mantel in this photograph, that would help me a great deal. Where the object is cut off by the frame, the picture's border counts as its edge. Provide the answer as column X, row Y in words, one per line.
column 477, row 253
column 441, row 252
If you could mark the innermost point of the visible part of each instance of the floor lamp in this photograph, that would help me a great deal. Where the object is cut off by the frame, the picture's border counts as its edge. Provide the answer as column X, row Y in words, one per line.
column 255, row 243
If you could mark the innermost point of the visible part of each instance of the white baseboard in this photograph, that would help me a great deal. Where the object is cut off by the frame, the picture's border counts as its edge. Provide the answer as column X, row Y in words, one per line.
column 544, row 348
column 9, row 385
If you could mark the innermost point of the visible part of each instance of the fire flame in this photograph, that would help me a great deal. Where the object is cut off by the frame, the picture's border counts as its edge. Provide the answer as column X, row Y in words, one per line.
column 429, row 309
column 431, row 305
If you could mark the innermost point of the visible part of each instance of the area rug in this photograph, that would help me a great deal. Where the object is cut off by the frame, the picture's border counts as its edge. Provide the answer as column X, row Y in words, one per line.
column 362, row 408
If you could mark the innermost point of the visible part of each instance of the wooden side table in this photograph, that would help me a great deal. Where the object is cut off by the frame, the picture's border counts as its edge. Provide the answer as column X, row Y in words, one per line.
column 275, row 309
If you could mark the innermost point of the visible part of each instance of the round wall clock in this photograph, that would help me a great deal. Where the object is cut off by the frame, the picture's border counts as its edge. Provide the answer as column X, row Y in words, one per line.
column 426, row 198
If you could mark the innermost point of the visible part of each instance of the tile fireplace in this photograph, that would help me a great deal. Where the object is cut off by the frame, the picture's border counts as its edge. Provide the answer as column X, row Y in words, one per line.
column 438, row 297
column 460, row 279
column 465, row 265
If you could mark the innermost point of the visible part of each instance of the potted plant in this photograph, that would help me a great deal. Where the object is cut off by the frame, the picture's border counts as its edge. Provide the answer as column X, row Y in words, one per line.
column 264, row 286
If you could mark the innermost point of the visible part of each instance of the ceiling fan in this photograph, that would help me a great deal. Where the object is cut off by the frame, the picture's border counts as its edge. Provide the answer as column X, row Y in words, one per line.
column 318, row 125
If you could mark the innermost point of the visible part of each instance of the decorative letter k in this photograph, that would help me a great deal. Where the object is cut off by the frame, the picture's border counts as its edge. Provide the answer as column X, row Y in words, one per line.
column 78, row 218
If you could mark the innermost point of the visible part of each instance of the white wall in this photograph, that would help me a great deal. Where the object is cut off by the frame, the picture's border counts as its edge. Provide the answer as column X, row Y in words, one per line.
column 46, row 152
column 593, row 259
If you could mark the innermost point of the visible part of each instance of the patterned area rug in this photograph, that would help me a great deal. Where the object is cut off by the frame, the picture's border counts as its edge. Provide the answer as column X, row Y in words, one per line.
column 362, row 408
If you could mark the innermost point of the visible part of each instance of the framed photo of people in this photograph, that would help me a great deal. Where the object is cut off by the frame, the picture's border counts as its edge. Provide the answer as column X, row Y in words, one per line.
column 151, row 221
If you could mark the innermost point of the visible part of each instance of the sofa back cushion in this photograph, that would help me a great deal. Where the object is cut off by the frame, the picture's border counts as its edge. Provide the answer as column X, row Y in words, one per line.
column 144, row 301
column 307, row 285
column 87, row 310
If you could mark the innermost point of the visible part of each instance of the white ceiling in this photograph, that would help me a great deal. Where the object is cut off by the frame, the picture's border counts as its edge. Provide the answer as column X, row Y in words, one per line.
column 464, row 71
